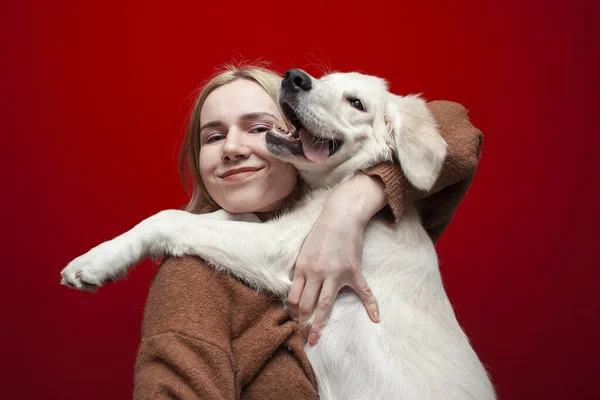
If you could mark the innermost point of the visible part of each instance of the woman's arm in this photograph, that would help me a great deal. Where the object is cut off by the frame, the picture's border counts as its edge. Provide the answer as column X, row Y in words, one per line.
column 330, row 257
column 180, row 356
column 438, row 206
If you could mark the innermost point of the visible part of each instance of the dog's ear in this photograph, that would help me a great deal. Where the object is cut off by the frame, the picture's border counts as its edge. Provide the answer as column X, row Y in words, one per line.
column 414, row 136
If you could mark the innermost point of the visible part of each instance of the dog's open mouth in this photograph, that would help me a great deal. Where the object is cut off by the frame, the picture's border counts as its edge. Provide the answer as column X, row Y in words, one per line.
column 302, row 142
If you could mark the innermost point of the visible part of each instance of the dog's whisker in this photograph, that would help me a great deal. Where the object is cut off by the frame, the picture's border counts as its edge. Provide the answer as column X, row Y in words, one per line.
column 318, row 64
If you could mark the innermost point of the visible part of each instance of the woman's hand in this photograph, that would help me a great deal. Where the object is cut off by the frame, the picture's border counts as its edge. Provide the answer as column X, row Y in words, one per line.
column 331, row 254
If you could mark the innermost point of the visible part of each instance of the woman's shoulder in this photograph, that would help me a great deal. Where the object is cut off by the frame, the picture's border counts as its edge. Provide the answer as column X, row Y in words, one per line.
column 189, row 277
column 173, row 270
column 194, row 275
column 185, row 292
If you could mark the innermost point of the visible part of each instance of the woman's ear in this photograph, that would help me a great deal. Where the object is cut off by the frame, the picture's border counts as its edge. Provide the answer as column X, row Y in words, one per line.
column 415, row 139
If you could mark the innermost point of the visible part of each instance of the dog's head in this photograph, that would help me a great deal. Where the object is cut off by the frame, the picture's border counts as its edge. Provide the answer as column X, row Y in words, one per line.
column 345, row 122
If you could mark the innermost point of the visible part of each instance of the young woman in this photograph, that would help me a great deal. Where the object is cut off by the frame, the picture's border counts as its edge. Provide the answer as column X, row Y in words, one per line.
column 207, row 335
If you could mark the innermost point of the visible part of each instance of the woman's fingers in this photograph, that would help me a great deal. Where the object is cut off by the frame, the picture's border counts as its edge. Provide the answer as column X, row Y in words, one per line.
column 295, row 295
column 328, row 294
column 308, row 301
column 363, row 291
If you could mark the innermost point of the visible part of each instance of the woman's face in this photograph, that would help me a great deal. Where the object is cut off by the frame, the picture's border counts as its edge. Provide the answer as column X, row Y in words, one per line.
column 237, row 169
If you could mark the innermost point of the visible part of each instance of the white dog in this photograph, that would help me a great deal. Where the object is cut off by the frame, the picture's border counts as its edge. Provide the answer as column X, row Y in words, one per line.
column 344, row 123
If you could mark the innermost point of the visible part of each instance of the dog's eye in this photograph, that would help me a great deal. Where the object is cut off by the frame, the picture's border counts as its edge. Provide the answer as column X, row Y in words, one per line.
column 356, row 103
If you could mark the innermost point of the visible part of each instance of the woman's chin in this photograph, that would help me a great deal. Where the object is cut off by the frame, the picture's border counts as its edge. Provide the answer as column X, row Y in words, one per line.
column 250, row 206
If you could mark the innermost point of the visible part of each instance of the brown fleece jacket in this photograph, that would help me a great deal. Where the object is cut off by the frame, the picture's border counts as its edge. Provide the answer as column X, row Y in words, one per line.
column 208, row 336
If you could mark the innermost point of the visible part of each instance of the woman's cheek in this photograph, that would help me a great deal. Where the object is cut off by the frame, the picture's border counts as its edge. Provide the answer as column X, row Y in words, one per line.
column 287, row 178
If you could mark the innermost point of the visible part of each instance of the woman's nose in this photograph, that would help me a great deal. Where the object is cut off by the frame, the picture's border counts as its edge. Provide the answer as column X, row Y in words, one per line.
column 235, row 147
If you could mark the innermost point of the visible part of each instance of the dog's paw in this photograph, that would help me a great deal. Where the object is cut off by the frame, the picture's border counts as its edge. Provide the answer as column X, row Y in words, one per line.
column 93, row 269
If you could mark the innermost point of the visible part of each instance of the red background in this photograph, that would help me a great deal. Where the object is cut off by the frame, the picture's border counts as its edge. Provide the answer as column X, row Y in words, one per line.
column 94, row 97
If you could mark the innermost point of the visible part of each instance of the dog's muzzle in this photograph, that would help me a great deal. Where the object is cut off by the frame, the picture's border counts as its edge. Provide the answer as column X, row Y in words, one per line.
column 301, row 141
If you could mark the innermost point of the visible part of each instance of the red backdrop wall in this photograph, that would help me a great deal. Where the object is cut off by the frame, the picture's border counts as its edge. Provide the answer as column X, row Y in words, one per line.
column 94, row 97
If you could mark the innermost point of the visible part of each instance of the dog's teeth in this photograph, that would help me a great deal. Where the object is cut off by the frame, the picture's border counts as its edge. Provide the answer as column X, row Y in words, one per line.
column 280, row 131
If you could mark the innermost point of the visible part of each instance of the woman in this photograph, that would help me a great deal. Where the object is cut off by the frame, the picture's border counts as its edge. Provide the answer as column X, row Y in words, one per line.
column 207, row 335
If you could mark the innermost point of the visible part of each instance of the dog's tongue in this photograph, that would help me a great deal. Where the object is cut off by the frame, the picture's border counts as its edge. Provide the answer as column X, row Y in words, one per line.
column 314, row 151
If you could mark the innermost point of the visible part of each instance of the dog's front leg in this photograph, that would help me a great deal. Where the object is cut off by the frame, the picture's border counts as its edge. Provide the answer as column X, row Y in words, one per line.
column 112, row 259
column 262, row 254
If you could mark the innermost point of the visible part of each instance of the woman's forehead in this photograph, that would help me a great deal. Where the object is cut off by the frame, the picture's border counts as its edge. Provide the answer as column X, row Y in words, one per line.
column 240, row 97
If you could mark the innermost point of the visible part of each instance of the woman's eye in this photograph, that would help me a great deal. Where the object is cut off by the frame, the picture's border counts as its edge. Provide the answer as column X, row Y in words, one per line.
column 214, row 138
column 259, row 129
column 356, row 103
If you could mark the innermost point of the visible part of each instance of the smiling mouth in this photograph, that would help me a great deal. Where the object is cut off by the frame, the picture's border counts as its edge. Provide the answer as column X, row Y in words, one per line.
column 300, row 141
column 239, row 175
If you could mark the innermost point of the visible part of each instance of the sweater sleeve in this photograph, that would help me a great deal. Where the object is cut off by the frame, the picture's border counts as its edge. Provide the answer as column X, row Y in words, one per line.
column 392, row 177
column 180, row 355
column 438, row 206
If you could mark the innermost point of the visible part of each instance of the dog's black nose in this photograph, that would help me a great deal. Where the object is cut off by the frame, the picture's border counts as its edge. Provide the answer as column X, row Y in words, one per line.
column 296, row 79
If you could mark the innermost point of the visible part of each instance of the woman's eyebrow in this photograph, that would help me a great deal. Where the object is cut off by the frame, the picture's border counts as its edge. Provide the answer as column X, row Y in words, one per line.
column 257, row 115
column 211, row 124
column 245, row 117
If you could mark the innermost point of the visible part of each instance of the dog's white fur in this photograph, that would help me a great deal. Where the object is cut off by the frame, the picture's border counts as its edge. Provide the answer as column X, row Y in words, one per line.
column 417, row 350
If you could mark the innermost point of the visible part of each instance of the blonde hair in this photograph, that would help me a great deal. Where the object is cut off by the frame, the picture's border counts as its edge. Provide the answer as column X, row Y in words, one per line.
column 200, row 201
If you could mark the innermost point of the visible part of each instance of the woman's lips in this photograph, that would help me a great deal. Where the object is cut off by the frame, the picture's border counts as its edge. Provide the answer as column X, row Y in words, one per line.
column 241, row 175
